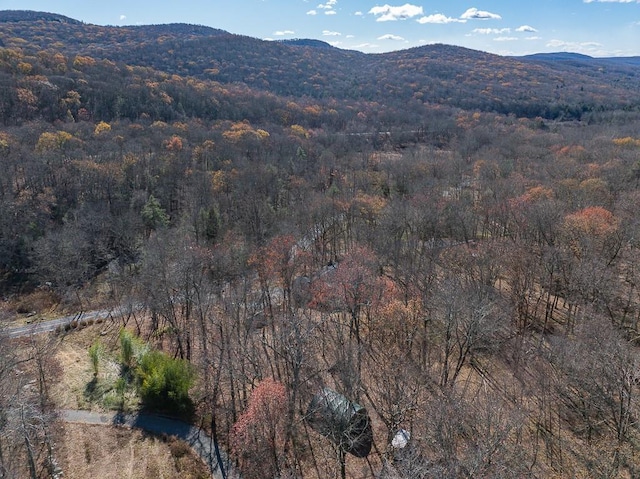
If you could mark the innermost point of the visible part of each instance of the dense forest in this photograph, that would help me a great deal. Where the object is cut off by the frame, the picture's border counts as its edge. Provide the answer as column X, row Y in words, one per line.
column 442, row 236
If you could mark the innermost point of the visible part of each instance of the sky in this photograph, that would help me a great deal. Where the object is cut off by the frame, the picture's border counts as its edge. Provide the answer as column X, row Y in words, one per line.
column 505, row 27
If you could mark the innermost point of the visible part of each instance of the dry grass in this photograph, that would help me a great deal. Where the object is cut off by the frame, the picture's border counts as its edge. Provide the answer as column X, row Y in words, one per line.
column 108, row 451
column 72, row 355
column 119, row 453
column 28, row 308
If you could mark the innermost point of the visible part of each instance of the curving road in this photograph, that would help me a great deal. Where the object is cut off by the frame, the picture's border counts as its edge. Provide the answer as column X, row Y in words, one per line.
column 202, row 444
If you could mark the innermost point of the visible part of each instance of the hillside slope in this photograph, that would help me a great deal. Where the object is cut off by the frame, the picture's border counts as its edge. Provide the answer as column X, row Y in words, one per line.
column 437, row 74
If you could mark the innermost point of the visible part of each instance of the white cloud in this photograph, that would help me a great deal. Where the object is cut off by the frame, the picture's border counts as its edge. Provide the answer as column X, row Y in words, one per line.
column 387, row 13
column 365, row 45
column 563, row 44
column 439, row 18
column 491, row 31
column 123, row 17
column 282, row 33
column 533, row 38
column 358, row 14
column 350, row 36
column 329, row 33
column 328, row 7
column 312, row 12
column 526, row 28
column 505, row 39
column 475, row 14
column 389, row 36
column 611, row 1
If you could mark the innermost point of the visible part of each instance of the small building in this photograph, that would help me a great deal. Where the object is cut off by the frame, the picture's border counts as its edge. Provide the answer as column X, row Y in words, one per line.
column 345, row 423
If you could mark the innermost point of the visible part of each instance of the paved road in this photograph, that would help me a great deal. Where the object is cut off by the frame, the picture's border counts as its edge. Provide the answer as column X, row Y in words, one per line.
column 200, row 442
column 47, row 326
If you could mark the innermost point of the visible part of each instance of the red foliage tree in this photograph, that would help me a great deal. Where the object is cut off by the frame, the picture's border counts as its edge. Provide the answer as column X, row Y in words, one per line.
column 277, row 264
column 355, row 286
column 258, row 437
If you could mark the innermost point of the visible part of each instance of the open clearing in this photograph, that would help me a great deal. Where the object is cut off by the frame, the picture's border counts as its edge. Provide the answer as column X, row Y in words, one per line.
column 123, row 453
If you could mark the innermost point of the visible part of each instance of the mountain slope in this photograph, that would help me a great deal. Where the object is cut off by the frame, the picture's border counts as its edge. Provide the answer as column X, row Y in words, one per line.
column 436, row 74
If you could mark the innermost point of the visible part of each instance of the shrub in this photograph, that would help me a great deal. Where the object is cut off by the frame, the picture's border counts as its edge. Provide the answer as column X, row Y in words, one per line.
column 131, row 350
column 164, row 383
column 95, row 352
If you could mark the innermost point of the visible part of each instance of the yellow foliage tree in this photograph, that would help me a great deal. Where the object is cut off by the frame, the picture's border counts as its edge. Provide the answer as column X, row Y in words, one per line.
column 102, row 128
column 52, row 141
column 627, row 142
column 299, row 131
column 240, row 129
column 82, row 62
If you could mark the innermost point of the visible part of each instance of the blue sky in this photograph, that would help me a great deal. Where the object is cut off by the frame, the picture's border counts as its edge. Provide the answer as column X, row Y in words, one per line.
column 506, row 27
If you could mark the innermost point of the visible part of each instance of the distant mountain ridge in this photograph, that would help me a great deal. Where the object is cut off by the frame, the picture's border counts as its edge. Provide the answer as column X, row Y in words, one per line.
column 307, row 42
column 17, row 16
column 14, row 16
column 549, row 85
column 177, row 28
column 580, row 59
column 562, row 56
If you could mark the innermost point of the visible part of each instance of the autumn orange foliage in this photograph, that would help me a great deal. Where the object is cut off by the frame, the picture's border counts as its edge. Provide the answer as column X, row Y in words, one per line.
column 594, row 221
column 592, row 227
column 627, row 142
column 173, row 144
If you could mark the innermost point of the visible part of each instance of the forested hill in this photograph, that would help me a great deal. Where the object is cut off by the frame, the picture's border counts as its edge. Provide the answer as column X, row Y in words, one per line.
column 31, row 16
column 434, row 74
